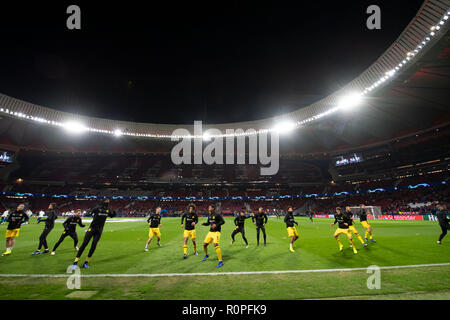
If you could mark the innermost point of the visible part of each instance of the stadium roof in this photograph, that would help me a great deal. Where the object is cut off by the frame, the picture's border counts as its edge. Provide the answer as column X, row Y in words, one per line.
column 406, row 90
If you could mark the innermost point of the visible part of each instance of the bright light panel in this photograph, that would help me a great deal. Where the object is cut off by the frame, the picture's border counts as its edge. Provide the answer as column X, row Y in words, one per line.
column 350, row 101
column 75, row 127
column 284, row 126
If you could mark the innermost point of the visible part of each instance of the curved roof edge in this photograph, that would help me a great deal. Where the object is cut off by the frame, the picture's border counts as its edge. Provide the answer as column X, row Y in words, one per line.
column 422, row 33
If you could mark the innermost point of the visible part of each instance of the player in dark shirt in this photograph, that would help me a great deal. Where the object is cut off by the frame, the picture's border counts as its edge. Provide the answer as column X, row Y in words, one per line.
column 154, row 221
column 311, row 215
column 215, row 221
column 70, row 226
column 351, row 227
column 292, row 231
column 443, row 222
column 191, row 219
column 277, row 214
column 343, row 222
column 260, row 220
column 99, row 215
column 49, row 224
column 15, row 220
column 239, row 222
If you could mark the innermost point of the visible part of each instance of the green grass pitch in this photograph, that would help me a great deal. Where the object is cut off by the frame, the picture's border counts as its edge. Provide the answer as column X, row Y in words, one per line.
column 121, row 251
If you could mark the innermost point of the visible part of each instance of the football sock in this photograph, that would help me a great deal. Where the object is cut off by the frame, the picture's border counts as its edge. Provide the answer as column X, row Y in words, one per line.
column 219, row 253
column 360, row 238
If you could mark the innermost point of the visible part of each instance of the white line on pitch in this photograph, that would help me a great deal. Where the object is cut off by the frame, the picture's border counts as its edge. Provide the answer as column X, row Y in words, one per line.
column 118, row 275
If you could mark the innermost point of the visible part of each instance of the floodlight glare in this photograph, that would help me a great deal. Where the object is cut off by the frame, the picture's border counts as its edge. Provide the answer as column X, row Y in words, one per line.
column 118, row 133
column 75, row 127
column 284, row 126
column 350, row 101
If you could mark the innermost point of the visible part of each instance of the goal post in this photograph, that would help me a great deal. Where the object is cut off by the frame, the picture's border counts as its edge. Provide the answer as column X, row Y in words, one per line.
column 371, row 210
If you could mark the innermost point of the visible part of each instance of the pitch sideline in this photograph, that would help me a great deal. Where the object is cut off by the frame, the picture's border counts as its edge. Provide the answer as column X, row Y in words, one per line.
column 152, row 275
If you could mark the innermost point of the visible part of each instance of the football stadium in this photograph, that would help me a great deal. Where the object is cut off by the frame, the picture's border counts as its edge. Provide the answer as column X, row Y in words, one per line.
column 345, row 196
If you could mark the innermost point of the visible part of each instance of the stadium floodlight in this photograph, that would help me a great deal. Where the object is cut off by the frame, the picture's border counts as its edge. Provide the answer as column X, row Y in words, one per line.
column 118, row 132
column 350, row 101
column 284, row 127
column 75, row 127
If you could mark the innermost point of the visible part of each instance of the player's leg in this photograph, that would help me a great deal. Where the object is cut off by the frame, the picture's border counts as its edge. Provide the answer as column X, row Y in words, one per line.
column 366, row 234
column 219, row 254
column 61, row 239
column 205, row 248
column 233, row 234
column 148, row 242
column 291, row 244
column 217, row 248
column 443, row 234
column 194, row 241
column 95, row 239
column 74, row 236
column 336, row 237
column 86, row 240
column 43, row 240
column 295, row 234
column 8, row 245
column 264, row 234
column 361, row 239
column 185, row 246
column 150, row 237
column 370, row 229
column 349, row 235
column 257, row 236
column 244, row 238
column 206, row 242
column 10, row 240
column 356, row 233
column 158, row 238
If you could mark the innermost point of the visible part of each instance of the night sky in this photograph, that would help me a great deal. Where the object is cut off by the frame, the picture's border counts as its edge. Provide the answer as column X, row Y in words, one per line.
column 179, row 62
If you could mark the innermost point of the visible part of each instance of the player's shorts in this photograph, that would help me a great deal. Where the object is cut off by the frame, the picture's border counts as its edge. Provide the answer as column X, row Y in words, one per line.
column 154, row 232
column 365, row 224
column 189, row 234
column 342, row 231
column 12, row 233
column 352, row 229
column 292, row 232
column 212, row 237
